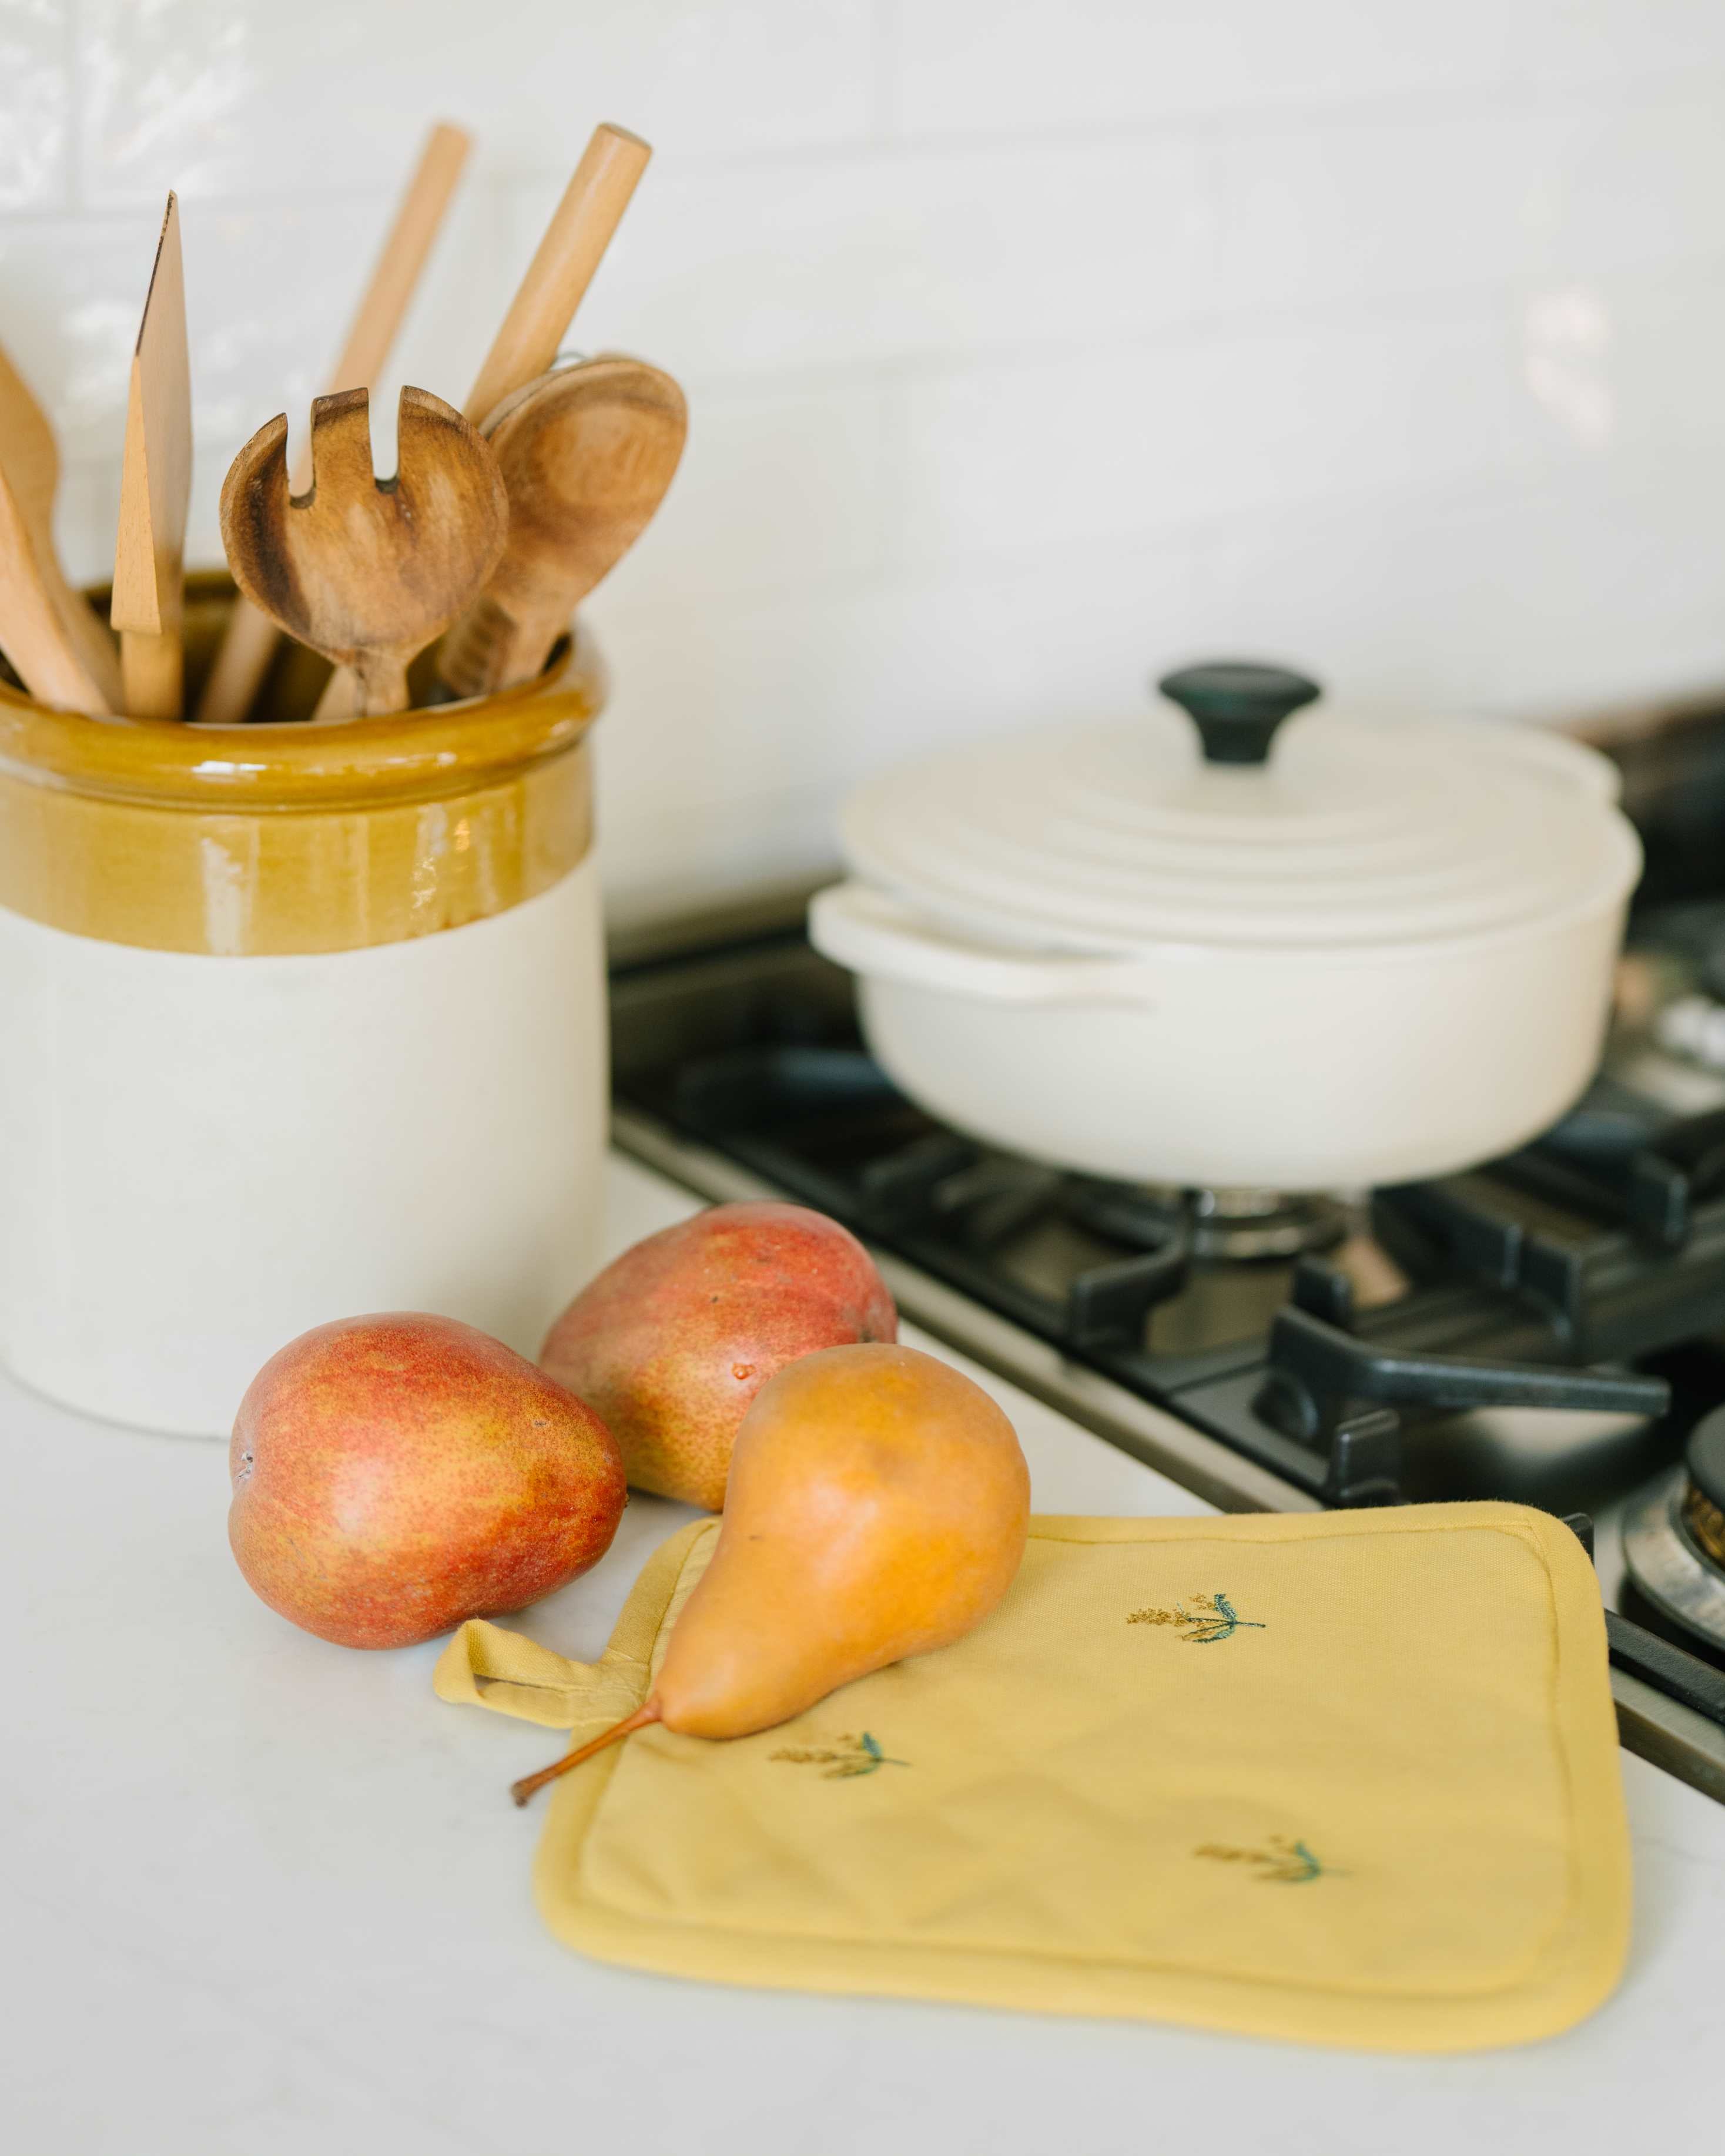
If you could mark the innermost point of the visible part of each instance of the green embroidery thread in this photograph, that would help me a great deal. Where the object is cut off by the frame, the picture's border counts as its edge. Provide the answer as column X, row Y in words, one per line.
column 1214, row 1617
column 1284, row 1863
column 846, row 1758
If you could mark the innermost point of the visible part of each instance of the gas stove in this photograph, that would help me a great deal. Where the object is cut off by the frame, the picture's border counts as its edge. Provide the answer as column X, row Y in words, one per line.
column 1548, row 1328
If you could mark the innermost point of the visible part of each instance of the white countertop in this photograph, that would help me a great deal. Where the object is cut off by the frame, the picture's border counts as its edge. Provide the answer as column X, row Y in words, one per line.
column 264, row 1897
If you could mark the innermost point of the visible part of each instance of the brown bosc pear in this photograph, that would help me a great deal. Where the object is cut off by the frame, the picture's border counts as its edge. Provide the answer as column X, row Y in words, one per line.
column 877, row 1508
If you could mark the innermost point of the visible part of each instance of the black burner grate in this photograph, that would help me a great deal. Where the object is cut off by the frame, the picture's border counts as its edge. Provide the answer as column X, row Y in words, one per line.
column 1341, row 1367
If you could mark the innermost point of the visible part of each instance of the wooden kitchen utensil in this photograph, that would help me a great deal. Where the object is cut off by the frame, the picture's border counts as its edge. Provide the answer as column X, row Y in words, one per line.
column 62, row 653
column 587, row 455
column 250, row 638
column 367, row 572
column 155, row 492
column 574, row 243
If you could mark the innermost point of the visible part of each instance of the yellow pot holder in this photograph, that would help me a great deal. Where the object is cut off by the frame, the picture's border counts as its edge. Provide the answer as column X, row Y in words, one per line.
column 1348, row 1777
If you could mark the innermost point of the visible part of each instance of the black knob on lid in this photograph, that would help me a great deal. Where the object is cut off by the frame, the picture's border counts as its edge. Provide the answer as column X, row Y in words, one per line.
column 1236, row 705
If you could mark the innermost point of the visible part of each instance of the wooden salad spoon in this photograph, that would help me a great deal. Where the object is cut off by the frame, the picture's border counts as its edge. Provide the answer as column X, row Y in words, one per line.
column 587, row 454
column 367, row 572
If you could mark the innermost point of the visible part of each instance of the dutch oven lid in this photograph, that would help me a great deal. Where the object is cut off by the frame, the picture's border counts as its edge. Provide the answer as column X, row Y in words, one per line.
column 1208, row 826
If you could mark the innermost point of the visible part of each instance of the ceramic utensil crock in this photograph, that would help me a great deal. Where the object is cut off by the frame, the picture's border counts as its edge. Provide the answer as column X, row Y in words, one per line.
column 303, row 1021
column 1173, row 949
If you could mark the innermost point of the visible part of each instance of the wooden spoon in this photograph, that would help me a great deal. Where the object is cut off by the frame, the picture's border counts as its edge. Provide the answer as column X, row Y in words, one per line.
column 250, row 637
column 61, row 650
column 587, row 455
column 368, row 572
column 156, row 493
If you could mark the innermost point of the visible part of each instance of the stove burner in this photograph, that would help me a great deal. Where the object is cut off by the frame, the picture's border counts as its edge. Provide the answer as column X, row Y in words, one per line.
column 1674, row 1537
column 1510, row 1283
column 1236, row 1226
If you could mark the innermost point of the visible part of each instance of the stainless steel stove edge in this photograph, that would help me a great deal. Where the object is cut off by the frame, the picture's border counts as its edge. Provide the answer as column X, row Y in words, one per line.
column 1663, row 1730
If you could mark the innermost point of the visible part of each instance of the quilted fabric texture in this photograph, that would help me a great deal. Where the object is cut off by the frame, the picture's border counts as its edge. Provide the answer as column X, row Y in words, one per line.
column 1349, row 1777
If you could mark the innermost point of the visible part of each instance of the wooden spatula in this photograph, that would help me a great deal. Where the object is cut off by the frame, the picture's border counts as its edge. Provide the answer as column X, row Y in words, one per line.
column 62, row 652
column 587, row 455
column 155, row 492
column 250, row 637
column 366, row 571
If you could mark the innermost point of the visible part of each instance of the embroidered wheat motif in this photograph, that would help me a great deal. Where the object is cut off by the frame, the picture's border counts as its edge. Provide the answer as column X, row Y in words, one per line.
column 845, row 1757
column 1211, row 1617
column 1283, row 1863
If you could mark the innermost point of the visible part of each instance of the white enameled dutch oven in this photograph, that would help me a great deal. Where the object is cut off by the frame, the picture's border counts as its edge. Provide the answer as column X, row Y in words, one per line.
column 1167, row 949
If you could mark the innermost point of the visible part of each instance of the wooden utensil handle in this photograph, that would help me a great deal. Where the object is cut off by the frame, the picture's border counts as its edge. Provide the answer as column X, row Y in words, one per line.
column 489, row 649
column 336, row 702
column 153, row 672
column 242, row 660
column 574, row 243
column 32, row 634
column 381, row 683
column 396, row 276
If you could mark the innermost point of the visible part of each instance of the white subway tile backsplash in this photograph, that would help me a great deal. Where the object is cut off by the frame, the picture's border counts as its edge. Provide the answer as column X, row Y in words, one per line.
column 250, row 97
column 780, row 490
column 1365, row 210
column 1656, row 345
column 1089, row 450
column 1590, row 44
column 1036, row 65
column 884, row 255
column 71, row 291
column 1310, row 214
column 1634, row 183
column 35, row 68
column 1498, row 599
column 1031, row 345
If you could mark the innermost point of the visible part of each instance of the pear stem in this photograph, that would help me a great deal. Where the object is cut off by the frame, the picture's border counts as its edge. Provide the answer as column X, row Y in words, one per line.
column 522, row 1790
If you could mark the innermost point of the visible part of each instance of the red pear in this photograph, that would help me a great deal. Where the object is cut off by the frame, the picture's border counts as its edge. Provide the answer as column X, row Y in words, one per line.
column 671, row 1342
column 395, row 1475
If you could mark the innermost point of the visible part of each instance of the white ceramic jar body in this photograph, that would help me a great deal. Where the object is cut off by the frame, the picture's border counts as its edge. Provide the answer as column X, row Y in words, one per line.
column 302, row 1022
column 203, row 1156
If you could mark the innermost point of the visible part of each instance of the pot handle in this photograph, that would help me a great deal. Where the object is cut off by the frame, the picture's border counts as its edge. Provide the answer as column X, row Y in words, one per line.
column 872, row 934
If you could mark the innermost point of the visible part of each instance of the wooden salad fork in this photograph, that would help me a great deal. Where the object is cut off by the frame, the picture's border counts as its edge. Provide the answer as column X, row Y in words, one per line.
column 250, row 640
column 367, row 572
